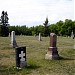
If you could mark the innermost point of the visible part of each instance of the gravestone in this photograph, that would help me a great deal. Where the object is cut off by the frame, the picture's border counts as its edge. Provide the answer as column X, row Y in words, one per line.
column 72, row 35
column 40, row 37
column 74, row 44
column 34, row 35
column 9, row 35
column 74, row 47
column 20, row 57
column 13, row 39
column 52, row 50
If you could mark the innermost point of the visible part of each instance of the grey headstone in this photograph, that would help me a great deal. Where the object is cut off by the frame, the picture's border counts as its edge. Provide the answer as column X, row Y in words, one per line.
column 39, row 36
column 72, row 35
column 13, row 39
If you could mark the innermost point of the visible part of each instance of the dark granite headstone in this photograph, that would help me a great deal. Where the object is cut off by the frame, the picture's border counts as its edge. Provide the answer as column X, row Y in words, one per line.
column 20, row 57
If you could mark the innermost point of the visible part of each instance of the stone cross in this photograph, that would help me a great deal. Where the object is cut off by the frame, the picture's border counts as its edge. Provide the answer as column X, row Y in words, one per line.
column 20, row 57
column 13, row 39
column 39, row 36
column 52, row 50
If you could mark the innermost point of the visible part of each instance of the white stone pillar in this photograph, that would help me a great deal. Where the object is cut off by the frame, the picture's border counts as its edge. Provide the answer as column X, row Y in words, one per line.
column 13, row 39
column 39, row 36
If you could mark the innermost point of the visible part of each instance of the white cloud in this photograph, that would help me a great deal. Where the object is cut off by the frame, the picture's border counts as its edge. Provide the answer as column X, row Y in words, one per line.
column 23, row 11
column 74, row 9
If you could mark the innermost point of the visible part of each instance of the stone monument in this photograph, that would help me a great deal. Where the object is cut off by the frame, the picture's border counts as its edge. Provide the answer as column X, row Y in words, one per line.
column 20, row 57
column 13, row 39
column 9, row 35
column 52, row 50
column 72, row 35
column 40, row 37
column 74, row 47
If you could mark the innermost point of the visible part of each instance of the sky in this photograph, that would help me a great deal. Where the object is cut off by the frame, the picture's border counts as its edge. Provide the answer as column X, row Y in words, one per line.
column 34, row 12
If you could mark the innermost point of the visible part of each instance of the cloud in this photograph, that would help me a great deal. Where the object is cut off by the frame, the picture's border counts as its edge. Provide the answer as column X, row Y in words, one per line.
column 35, row 11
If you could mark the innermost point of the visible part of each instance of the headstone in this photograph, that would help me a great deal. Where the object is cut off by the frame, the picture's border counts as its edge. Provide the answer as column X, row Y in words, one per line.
column 20, row 57
column 34, row 35
column 72, row 35
column 40, row 37
column 13, row 39
column 52, row 50
column 74, row 47
column 9, row 35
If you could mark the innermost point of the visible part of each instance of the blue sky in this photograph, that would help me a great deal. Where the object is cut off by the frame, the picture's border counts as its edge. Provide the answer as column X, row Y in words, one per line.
column 34, row 12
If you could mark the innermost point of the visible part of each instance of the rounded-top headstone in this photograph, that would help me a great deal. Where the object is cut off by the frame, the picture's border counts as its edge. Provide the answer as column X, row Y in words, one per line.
column 39, row 36
column 52, row 50
column 12, row 35
column 53, row 39
column 13, row 39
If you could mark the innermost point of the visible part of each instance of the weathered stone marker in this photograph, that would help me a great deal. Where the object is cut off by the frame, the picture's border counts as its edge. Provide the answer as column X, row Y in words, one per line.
column 13, row 40
column 52, row 50
column 40, row 37
column 74, row 47
column 20, row 57
column 9, row 34
column 72, row 35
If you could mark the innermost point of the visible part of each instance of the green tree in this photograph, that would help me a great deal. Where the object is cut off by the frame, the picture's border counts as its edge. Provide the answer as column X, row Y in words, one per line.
column 67, row 27
column 53, row 28
column 59, row 27
column 46, row 29
column 4, row 30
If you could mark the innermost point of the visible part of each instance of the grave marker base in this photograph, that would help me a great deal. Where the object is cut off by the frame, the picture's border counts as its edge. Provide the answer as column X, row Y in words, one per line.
column 14, row 44
column 52, row 53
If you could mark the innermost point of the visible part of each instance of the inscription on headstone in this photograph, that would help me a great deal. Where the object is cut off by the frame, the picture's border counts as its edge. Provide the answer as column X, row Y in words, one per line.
column 20, row 57
column 52, row 50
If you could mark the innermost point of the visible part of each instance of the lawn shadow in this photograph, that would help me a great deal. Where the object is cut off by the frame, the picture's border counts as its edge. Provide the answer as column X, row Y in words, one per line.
column 64, row 58
column 3, row 68
column 32, row 66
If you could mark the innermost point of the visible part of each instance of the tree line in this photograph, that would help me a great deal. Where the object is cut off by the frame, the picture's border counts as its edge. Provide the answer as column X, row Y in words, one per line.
column 64, row 28
column 60, row 28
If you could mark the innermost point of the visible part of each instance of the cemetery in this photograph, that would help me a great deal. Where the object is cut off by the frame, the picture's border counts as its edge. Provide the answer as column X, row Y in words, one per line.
column 35, row 56
column 40, row 50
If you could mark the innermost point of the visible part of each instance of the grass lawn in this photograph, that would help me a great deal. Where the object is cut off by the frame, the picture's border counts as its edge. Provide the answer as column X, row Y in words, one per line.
column 36, row 51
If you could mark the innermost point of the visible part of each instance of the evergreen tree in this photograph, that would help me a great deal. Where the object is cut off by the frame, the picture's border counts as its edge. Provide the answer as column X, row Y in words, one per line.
column 46, row 29
column 4, row 30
